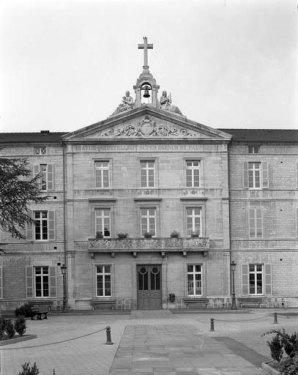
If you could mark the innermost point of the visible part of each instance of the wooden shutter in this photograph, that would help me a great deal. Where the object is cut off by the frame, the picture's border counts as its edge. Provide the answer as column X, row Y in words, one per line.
column 296, row 221
column 51, row 225
column 53, row 282
column 245, row 175
column 259, row 223
column 29, row 229
column 92, row 226
column 1, row 282
column 265, row 172
column 297, row 175
column 245, row 280
column 51, row 177
column 268, row 279
column 252, row 231
column 29, row 282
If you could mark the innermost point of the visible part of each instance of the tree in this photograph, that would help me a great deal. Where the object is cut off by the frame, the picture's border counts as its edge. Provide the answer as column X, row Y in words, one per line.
column 17, row 191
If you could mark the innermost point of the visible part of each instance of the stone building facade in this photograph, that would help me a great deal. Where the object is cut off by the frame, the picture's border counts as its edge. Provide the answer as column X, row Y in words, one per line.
column 118, row 189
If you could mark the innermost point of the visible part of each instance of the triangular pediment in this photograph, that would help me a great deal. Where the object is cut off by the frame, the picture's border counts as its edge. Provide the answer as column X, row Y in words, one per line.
column 146, row 123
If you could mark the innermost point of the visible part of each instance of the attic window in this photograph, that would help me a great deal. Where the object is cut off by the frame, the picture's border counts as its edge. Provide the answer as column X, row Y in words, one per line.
column 253, row 149
column 40, row 150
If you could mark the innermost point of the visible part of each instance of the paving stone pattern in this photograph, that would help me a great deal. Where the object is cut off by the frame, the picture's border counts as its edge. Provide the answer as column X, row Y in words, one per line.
column 146, row 342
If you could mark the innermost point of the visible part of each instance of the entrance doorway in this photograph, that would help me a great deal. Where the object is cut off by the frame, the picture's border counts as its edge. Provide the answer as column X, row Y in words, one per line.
column 149, row 287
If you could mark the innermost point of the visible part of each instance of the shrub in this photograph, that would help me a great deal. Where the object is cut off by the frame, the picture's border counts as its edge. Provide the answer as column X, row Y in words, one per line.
column 24, row 310
column 29, row 370
column 9, row 328
column 289, row 343
column 20, row 325
column 2, row 327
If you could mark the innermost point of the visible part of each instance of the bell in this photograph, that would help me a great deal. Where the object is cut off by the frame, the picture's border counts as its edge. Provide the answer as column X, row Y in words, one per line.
column 146, row 94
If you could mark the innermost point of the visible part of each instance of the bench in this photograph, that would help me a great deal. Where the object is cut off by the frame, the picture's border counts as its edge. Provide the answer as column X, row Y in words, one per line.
column 39, row 311
column 196, row 303
column 250, row 302
column 104, row 305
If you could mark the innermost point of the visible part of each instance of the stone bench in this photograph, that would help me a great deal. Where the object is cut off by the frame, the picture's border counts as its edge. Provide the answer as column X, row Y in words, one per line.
column 104, row 305
column 250, row 302
column 39, row 311
column 196, row 303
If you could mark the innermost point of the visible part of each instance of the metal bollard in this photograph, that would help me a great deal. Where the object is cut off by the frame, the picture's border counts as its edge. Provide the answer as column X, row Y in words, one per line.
column 109, row 341
column 275, row 318
column 212, row 325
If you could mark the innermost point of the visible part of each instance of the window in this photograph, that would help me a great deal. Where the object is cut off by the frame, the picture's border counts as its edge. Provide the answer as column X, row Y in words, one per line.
column 194, row 220
column 103, row 222
column 256, row 175
column 41, row 282
column 40, row 150
column 255, row 279
column 43, row 228
column 147, row 174
column 103, row 281
column 1, row 283
column 46, row 172
column 254, row 149
column 255, row 223
column 193, row 174
column 194, row 280
column 41, row 276
column 102, row 174
column 148, row 221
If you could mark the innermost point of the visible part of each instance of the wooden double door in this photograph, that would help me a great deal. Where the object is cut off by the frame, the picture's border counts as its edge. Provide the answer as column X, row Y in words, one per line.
column 149, row 287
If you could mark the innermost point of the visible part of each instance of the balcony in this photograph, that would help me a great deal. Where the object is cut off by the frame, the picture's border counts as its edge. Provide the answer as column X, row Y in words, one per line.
column 142, row 245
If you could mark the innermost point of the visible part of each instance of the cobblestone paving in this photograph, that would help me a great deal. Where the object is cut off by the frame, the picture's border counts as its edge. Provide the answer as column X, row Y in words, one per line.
column 154, row 342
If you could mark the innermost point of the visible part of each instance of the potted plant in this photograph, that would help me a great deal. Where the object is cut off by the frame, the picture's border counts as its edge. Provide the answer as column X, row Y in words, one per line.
column 147, row 235
column 174, row 234
column 122, row 236
column 194, row 234
column 99, row 235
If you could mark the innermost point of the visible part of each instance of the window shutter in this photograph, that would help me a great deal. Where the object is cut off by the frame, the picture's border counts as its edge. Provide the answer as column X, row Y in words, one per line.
column 93, row 234
column 259, row 223
column 252, row 232
column 268, row 279
column 36, row 170
column 29, row 231
column 297, row 175
column 51, row 225
column 245, row 176
column 53, row 282
column 29, row 282
column 265, row 171
column 1, row 283
column 245, row 280
column 51, row 177
column 296, row 221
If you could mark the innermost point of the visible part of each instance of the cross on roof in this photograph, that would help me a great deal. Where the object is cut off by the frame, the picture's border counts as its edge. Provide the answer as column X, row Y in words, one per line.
column 145, row 47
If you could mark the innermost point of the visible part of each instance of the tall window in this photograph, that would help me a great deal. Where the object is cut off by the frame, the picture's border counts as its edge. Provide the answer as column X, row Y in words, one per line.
column 254, row 175
column 103, row 222
column 255, row 279
column 102, row 174
column 253, row 149
column 194, row 280
column 103, row 281
column 147, row 174
column 42, row 282
column 47, row 180
column 192, row 174
column 255, row 223
column 194, row 220
column 148, row 220
column 41, row 225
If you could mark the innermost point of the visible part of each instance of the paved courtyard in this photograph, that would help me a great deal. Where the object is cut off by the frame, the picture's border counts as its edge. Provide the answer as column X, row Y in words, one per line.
column 148, row 342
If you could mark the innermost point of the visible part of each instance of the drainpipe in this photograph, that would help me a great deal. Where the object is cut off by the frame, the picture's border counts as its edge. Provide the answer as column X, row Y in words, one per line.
column 65, row 301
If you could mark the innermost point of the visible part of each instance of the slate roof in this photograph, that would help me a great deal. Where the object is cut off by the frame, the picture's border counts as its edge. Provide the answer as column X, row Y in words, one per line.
column 41, row 137
column 263, row 135
column 239, row 135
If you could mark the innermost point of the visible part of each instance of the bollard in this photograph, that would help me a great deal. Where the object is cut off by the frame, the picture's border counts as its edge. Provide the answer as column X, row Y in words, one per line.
column 212, row 325
column 54, row 372
column 275, row 318
column 109, row 341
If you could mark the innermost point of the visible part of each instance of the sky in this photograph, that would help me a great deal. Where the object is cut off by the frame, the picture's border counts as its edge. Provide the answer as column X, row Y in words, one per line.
column 65, row 64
